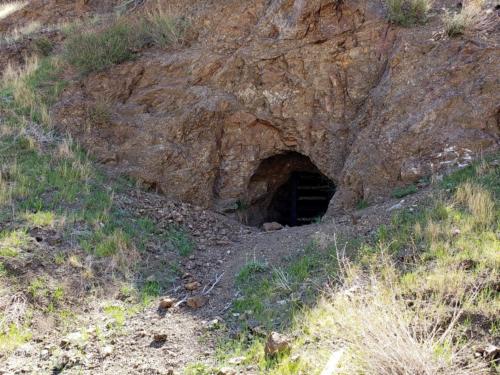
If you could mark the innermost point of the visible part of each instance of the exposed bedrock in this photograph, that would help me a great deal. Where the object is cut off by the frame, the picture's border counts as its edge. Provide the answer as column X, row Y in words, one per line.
column 371, row 106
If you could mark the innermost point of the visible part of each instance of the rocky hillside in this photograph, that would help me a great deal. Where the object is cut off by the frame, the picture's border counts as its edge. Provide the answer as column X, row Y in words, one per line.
column 158, row 160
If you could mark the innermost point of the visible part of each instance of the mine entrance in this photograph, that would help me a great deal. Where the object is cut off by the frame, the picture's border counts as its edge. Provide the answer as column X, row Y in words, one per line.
column 290, row 190
column 303, row 199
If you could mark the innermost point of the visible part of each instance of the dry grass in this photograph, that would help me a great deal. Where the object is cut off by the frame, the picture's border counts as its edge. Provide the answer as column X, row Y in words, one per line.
column 11, row 7
column 22, row 80
column 383, row 336
column 21, row 32
column 472, row 19
column 479, row 202
column 163, row 27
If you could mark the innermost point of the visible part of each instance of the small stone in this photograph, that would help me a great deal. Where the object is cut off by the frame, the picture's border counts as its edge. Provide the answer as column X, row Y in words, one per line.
column 192, row 286
column 236, row 361
column 397, row 206
column 276, row 343
column 226, row 371
column 166, row 303
column 160, row 337
column 44, row 354
column 491, row 352
column 107, row 351
column 73, row 339
column 196, row 302
column 271, row 227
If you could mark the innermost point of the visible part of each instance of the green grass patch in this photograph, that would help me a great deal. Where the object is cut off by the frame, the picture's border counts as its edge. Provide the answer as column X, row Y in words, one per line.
column 404, row 191
column 362, row 204
column 181, row 241
column 250, row 270
column 13, row 242
column 12, row 337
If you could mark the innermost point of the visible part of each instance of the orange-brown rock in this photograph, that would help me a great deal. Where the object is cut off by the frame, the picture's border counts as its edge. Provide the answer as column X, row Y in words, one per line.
column 371, row 105
column 197, row 302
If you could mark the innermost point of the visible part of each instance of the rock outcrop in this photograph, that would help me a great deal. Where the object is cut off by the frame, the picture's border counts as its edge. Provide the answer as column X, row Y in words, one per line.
column 371, row 105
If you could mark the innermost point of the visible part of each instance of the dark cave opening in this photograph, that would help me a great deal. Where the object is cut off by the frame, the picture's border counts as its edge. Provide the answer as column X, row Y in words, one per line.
column 289, row 189
column 303, row 199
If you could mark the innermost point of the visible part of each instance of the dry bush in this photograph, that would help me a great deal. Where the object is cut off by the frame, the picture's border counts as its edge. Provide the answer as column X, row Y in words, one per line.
column 471, row 19
column 14, row 310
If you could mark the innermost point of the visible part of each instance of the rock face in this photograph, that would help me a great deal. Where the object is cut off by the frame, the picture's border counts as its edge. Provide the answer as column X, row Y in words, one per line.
column 330, row 83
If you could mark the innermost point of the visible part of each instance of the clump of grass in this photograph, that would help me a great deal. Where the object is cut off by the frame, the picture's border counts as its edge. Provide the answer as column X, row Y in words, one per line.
column 382, row 335
column 34, row 87
column 99, row 114
column 12, row 242
column 180, row 240
column 404, row 191
column 362, row 204
column 408, row 12
column 470, row 17
column 43, row 46
column 249, row 270
column 92, row 51
column 478, row 200
column 41, row 219
column 117, row 314
column 12, row 337
column 95, row 50
column 162, row 29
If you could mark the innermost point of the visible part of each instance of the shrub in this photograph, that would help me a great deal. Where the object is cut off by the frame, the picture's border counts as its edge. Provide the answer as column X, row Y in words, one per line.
column 408, row 12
